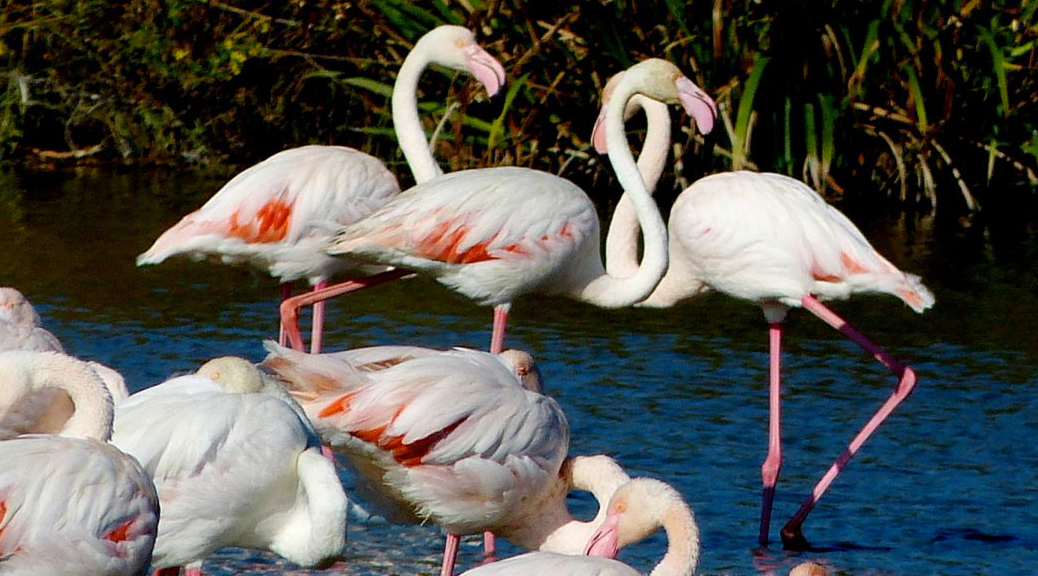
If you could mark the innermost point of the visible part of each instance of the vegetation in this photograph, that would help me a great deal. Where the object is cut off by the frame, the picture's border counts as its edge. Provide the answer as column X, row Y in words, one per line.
column 922, row 102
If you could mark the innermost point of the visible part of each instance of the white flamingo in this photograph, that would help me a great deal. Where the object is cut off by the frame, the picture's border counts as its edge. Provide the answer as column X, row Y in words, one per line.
column 280, row 213
column 236, row 464
column 461, row 439
column 70, row 503
column 635, row 512
column 772, row 240
column 494, row 234
column 20, row 327
column 45, row 410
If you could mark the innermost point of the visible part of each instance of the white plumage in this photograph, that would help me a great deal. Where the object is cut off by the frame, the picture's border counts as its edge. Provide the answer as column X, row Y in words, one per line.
column 235, row 464
column 70, row 504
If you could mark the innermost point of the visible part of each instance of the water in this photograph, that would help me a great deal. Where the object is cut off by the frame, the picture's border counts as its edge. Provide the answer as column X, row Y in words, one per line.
column 946, row 487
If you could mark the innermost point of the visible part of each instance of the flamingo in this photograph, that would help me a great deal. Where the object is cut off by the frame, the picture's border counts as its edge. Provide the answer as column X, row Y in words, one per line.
column 772, row 240
column 236, row 464
column 636, row 510
column 495, row 233
column 279, row 214
column 460, row 438
column 70, row 503
column 45, row 411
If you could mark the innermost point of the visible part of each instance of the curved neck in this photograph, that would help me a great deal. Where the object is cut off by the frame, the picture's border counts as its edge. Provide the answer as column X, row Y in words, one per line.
column 613, row 291
column 27, row 372
column 682, row 557
column 408, row 127
column 622, row 239
column 555, row 529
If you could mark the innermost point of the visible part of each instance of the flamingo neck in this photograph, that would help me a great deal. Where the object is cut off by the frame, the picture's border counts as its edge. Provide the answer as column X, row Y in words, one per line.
column 26, row 372
column 314, row 532
column 612, row 291
column 682, row 557
column 554, row 528
column 408, row 127
column 622, row 238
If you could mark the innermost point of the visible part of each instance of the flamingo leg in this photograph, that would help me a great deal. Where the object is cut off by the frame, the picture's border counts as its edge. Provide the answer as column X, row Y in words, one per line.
column 773, row 462
column 497, row 338
column 792, row 533
column 450, row 553
column 286, row 293
column 317, row 326
column 290, row 307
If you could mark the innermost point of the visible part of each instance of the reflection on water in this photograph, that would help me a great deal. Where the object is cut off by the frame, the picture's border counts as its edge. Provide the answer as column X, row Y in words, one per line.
column 945, row 487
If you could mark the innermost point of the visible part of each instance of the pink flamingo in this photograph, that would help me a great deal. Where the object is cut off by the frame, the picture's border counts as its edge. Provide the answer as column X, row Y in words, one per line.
column 280, row 213
column 769, row 239
column 70, row 503
column 636, row 510
column 236, row 463
column 496, row 233
column 461, row 439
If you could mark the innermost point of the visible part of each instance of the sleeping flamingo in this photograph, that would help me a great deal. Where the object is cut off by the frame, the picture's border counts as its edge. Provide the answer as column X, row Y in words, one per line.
column 636, row 510
column 70, row 503
column 20, row 327
column 770, row 239
column 495, row 233
column 236, row 464
column 279, row 214
column 46, row 410
column 460, row 438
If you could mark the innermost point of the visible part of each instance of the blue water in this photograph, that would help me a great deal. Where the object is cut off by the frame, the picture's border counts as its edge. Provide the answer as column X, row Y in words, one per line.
column 947, row 486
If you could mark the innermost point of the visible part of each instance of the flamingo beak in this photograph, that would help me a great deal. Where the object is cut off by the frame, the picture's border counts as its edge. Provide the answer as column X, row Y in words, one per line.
column 485, row 68
column 697, row 104
column 604, row 542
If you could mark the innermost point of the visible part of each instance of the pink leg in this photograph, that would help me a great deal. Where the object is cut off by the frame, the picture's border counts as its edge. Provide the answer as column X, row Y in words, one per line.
column 286, row 293
column 290, row 308
column 497, row 338
column 488, row 546
column 497, row 344
column 317, row 325
column 773, row 462
column 792, row 534
column 450, row 553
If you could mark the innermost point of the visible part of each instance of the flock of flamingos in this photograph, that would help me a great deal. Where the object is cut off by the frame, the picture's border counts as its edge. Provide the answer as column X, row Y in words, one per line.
column 94, row 481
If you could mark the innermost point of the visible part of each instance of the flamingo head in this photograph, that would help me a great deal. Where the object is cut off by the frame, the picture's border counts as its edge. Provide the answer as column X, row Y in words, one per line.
column 636, row 510
column 16, row 309
column 661, row 81
column 233, row 375
column 456, row 48
column 524, row 367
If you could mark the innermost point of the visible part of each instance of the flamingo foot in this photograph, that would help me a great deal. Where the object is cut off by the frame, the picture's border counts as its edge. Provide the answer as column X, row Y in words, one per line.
column 793, row 538
column 767, row 498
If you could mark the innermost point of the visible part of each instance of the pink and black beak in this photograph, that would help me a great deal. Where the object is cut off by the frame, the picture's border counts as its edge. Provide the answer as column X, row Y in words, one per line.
column 485, row 68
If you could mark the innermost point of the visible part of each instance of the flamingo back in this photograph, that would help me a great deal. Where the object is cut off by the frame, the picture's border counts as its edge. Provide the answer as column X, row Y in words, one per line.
column 74, row 506
column 490, row 234
column 451, row 437
column 768, row 237
column 225, row 466
column 278, row 213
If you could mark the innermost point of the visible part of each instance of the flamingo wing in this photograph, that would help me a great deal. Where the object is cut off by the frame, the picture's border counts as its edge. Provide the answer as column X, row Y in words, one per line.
column 452, row 435
column 214, row 457
column 770, row 237
column 476, row 217
column 292, row 196
column 74, row 506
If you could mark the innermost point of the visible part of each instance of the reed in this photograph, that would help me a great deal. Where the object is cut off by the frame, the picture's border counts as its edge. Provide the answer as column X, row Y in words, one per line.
column 887, row 101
